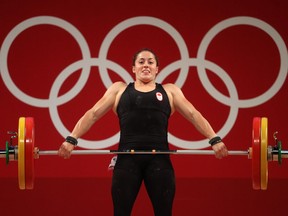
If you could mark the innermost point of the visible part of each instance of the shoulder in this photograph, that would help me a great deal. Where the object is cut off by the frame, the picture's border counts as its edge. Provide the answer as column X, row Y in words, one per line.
column 117, row 86
column 115, row 89
column 172, row 89
column 169, row 85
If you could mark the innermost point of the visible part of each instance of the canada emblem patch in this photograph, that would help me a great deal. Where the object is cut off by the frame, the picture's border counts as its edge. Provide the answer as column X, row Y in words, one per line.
column 159, row 96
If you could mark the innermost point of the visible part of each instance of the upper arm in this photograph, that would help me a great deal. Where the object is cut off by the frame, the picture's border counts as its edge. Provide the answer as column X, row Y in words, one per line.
column 178, row 101
column 109, row 99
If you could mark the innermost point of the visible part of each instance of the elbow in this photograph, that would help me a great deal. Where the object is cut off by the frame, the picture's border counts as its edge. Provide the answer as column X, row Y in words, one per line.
column 92, row 115
column 96, row 113
column 195, row 116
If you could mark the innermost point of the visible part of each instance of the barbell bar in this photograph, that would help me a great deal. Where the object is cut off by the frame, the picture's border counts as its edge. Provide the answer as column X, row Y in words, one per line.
column 25, row 152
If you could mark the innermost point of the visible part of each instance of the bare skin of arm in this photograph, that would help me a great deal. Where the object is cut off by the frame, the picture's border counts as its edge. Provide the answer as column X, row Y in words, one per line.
column 107, row 102
column 179, row 103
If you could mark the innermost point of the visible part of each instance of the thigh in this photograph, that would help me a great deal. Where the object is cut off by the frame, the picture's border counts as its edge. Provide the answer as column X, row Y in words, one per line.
column 160, row 184
column 126, row 182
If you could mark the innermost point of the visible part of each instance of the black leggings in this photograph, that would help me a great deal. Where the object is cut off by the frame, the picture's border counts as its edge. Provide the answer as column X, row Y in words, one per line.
column 158, row 175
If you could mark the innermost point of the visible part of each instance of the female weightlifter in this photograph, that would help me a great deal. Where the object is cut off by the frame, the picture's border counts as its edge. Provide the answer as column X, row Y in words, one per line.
column 143, row 108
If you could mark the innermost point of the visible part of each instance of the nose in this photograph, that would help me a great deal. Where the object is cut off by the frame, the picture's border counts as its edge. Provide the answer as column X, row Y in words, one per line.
column 146, row 64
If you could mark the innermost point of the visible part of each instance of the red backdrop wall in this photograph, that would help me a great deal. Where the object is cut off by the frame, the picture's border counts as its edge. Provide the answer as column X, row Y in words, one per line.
column 229, row 58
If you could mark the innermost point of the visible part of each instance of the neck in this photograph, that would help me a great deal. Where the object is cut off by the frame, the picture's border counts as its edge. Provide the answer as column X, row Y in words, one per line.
column 144, row 86
column 143, row 83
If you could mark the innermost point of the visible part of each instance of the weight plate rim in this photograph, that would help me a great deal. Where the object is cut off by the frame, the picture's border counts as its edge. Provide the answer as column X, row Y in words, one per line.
column 256, row 148
column 29, row 153
column 21, row 153
column 264, row 145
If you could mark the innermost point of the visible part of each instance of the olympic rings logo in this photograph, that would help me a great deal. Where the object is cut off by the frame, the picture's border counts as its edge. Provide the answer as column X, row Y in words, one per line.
column 183, row 64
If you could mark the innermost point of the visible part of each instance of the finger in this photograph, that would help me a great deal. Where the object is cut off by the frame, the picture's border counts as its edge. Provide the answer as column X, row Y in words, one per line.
column 222, row 152
column 63, row 152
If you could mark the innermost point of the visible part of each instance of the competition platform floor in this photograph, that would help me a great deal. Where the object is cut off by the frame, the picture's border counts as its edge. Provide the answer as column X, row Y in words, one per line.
column 91, row 196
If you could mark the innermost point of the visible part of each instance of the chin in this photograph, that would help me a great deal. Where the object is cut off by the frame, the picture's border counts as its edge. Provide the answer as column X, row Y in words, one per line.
column 146, row 80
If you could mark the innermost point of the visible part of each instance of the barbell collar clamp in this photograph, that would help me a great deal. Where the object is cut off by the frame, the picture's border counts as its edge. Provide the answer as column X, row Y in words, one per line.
column 13, row 153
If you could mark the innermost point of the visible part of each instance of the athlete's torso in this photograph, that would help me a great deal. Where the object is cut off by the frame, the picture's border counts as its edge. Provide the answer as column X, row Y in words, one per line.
column 143, row 118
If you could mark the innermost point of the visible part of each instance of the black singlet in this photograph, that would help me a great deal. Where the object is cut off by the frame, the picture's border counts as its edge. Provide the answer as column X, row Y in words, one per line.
column 143, row 118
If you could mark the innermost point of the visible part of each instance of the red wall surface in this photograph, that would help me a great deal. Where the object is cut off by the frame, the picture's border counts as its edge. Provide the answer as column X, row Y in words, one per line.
column 229, row 57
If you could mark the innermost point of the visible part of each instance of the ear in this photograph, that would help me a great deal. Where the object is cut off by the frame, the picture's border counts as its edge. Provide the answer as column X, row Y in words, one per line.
column 133, row 69
column 157, row 70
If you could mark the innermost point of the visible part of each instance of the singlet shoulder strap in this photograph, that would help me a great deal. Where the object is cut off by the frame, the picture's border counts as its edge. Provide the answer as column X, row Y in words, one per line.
column 159, row 86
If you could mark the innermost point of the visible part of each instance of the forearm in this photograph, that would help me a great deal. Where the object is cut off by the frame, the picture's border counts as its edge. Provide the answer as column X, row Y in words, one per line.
column 181, row 104
column 202, row 125
column 205, row 128
column 84, row 124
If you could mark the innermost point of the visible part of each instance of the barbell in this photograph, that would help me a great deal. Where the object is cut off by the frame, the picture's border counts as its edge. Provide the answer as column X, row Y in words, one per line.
column 25, row 152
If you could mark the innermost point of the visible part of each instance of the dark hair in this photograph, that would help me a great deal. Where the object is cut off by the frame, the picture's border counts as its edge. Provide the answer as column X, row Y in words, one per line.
column 141, row 50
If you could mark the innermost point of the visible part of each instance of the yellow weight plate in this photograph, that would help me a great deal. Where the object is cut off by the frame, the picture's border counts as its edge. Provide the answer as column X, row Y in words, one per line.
column 21, row 153
column 264, row 160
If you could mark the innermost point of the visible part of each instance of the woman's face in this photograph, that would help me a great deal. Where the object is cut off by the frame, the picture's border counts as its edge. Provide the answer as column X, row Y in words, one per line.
column 145, row 67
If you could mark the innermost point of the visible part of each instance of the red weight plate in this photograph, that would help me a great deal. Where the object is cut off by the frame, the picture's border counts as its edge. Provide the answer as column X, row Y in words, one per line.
column 29, row 152
column 256, row 150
